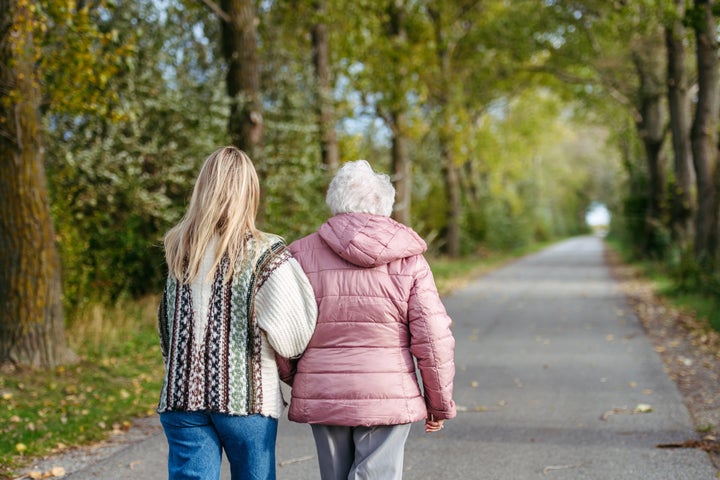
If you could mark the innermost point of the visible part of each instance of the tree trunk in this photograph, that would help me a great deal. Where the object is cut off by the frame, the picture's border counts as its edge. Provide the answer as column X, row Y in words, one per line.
column 452, row 186
column 31, row 318
column 401, row 162
column 681, row 220
column 402, row 169
column 450, row 170
column 703, row 133
column 239, row 45
column 651, row 127
column 326, row 111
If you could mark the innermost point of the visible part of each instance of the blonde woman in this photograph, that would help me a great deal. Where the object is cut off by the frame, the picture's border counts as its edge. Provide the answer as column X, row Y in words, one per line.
column 234, row 299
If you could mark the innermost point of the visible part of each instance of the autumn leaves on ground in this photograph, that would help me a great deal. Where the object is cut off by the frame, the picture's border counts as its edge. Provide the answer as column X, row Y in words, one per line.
column 688, row 346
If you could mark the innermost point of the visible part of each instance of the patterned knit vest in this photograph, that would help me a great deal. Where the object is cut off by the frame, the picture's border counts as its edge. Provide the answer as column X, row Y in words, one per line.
column 223, row 374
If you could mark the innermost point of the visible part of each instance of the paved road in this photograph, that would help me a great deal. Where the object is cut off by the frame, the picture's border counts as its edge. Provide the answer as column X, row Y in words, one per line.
column 547, row 347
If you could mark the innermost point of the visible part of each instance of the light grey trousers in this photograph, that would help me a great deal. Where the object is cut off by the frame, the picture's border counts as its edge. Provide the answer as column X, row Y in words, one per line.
column 361, row 453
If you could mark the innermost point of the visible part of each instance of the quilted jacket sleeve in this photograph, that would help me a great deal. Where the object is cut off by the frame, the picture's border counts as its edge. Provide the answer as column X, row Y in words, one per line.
column 432, row 342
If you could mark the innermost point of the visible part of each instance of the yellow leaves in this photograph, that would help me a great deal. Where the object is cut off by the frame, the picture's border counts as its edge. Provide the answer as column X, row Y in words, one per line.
column 640, row 408
column 54, row 472
column 58, row 472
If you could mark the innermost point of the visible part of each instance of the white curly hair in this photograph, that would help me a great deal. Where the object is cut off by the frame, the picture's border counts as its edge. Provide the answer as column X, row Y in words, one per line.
column 356, row 188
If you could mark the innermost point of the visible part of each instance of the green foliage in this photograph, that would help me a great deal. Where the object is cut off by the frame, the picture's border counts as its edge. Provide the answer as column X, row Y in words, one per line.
column 119, row 180
column 121, row 172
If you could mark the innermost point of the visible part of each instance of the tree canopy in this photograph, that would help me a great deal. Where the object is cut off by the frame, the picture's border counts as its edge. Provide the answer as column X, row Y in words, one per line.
column 500, row 122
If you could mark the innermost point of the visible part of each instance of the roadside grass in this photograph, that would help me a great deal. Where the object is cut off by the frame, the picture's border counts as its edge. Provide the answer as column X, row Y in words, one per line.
column 454, row 273
column 702, row 306
column 119, row 375
column 117, row 379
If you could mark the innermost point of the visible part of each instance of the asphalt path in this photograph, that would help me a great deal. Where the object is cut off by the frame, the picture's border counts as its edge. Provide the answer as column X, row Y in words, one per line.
column 555, row 379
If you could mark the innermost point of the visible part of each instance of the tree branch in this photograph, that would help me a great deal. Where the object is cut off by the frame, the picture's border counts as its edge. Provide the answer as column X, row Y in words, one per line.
column 217, row 10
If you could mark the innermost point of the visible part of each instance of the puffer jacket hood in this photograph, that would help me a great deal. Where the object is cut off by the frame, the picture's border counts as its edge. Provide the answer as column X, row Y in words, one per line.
column 369, row 240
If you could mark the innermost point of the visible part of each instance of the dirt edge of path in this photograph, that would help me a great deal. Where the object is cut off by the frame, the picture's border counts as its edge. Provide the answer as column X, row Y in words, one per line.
column 689, row 348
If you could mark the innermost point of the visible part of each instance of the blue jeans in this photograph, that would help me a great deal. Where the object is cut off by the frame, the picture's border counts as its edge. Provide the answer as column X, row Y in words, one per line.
column 196, row 441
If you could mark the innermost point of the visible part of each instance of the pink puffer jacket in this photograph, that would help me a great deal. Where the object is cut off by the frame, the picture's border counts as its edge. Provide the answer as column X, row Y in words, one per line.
column 378, row 307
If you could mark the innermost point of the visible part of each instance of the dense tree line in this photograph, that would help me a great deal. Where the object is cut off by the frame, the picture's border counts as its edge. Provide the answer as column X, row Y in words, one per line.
column 499, row 122
column 657, row 60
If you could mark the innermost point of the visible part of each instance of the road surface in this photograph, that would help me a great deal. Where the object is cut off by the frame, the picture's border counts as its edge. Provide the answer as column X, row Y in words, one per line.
column 555, row 379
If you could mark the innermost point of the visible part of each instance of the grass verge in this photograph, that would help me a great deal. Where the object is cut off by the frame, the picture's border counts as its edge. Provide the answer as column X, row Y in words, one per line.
column 117, row 379
column 703, row 307
column 454, row 273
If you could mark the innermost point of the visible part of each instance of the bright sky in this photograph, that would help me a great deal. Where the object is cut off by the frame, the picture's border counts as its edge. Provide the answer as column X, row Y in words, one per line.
column 598, row 214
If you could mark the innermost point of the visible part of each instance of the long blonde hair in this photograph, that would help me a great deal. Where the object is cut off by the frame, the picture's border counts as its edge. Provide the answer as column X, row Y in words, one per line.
column 224, row 203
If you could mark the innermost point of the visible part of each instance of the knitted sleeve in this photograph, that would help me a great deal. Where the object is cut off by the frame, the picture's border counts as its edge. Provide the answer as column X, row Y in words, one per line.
column 285, row 306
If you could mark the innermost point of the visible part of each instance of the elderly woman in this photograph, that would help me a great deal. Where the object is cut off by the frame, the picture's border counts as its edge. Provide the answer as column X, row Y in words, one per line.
column 378, row 312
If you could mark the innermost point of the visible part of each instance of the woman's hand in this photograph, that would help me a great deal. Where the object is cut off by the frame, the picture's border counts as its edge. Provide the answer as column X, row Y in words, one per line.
column 433, row 425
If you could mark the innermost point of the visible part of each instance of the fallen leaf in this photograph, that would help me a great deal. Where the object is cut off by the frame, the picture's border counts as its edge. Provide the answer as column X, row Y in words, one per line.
column 684, row 361
column 35, row 474
column 614, row 411
column 706, row 445
column 57, row 471
column 550, row 468
column 20, row 447
column 643, row 408
column 296, row 460
column 474, row 384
